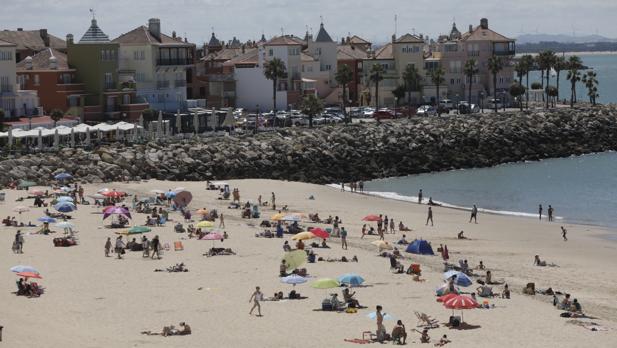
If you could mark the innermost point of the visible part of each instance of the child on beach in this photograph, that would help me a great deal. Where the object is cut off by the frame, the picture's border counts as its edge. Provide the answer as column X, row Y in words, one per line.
column 107, row 246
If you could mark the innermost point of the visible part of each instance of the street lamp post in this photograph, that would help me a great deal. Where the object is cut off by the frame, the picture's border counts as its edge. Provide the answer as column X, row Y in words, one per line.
column 482, row 101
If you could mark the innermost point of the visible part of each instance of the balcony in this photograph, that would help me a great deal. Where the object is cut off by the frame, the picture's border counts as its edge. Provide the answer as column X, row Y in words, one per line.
column 180, row 83
column 70, row 87
column 173, row 61
column 504, row 53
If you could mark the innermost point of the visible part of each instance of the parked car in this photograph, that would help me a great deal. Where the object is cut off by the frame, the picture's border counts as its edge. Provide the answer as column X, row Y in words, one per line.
column 383, row 114
column 446, row 104
column 493, row 101
column 465, row 108
column 426, row 110
column 368, row 112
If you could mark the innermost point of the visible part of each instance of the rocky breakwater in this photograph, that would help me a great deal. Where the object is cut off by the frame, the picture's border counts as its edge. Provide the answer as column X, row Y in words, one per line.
column 340, row 153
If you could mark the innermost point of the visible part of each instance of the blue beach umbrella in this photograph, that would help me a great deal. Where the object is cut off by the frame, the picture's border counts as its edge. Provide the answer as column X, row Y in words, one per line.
column 63, row 176
column 65, row 199
column 293, row 279
column 373, row 315
column 351, row 279
column 22, row 268
column 46, row 219
column 461, row 278
column 170, row 194
column 65, row 207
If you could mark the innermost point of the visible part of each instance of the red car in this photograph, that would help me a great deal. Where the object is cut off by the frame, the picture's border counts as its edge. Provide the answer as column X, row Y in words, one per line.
column 383, row 114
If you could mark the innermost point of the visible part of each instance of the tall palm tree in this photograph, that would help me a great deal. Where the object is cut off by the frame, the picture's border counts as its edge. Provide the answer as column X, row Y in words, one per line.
column 437, row 77
column 274, row 70
column 528, row 63
column 311, row 107
column 469, row 70
column 495, row 65
column 343, row 77
column 376, row 75
column 574, row 75
column 398, row 93
column 412, row 78
column 560, row 65
column 546, row 61
column 591, row 82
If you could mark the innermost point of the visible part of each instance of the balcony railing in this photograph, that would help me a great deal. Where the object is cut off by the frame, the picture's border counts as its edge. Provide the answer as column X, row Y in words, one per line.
column 505, row 53
column 174, row 61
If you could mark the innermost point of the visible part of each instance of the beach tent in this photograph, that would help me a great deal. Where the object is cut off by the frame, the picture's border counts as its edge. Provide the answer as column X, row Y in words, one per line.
column 420, row 246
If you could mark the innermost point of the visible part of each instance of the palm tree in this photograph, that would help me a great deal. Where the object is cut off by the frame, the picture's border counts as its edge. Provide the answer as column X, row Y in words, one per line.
column 311, row 106
column 437, row 77
column 528, row 63
column 551, row 92
column 274, row 70
column 546, row 61
column 398, row 93
column 412, row 78
column 591, row 82
column 376, row 75
column 560, row 65
column 469, row 70
column 56, row 115
column 343, row 76
column 516, row 91
column 495, row 65
column 574, row 75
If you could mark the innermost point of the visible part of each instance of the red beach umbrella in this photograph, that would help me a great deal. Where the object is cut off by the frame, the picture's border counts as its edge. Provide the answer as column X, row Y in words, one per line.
column 114, row 194
column 319, row 232
column 28, row 275
column 371, row 218
column 460, row 302
column 446, row 297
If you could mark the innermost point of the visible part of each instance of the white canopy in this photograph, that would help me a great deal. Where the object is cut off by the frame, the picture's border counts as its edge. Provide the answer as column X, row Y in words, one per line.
column 64, row 130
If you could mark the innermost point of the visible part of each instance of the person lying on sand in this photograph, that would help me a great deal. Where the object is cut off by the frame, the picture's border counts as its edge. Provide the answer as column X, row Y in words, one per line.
column 403, row 241
column 185, row 329
column 443, row 341
column 461, row 235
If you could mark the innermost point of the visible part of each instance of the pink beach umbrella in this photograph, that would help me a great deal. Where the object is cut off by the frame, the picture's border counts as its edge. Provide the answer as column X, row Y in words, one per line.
column 107, row 212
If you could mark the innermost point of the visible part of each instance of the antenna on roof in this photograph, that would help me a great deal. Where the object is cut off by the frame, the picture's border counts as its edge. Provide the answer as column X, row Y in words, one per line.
column 395, row 24
column 321, row 19
column 92, row 13
column 282, row 31
column 413, row 30
column 212, row 29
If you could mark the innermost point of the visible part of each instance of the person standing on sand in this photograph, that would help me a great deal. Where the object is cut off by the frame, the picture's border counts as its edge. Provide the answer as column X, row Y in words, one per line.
column 256, row 297
column 381, row 329
column 156, row 245
column 430, row 216
column 563, row 234
column 474, row 214
column 392, row 226
column 145, row 243
column 540, row 211
column 119, row 247
column 273, row 201
column 342, row 187
column 420, row 197
column 343, row 238
column 361, row 185
column 107, row 246
column 550, row 213
column 363, row 231
column 379, row 224
column 222, row 221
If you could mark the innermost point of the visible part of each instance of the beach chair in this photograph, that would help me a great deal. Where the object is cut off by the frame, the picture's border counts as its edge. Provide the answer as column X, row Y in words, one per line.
column 178, row 246
column 426, row 321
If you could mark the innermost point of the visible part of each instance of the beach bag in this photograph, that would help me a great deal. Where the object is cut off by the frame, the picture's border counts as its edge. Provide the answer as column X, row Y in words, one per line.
column 326, row 305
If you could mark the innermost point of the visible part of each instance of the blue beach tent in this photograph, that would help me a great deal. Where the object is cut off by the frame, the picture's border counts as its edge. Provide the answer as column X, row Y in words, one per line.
column 420, row 246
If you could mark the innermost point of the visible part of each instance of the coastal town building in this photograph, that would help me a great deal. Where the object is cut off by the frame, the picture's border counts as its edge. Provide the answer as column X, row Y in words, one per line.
column 352, row 52
column 95, row 60
column 157, row 65
column 30, row 42
column 319, row 65
column 14, row 102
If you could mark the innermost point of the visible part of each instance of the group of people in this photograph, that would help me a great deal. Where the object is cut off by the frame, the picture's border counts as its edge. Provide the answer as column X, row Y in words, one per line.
column 354, row 186
column 150, row 248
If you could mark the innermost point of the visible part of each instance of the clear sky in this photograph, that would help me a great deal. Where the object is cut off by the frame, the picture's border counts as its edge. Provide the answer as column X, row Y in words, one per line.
column 373, row 20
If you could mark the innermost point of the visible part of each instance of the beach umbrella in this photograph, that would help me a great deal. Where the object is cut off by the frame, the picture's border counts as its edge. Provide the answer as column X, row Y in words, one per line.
column 56, row 138
column 63, row 176
column 135, row 230
column 443, row 289
column 20, row 209
column 325, row 283
column 40, row 140
column 113, row 194
column 65, row 199
column 446, row 297
column 321, row 233
column 103, row 190
column 212, row 236
column 460, row 302
column 371, row 218
column 291, row 218
column 294, row 259
column 72, row 137
column 29, row 275
column 293, row 279
column 196, row 122
column 303, row 236
column 65, row 225
column 351, row 279
column 65, row 207
column 373, row 316
column 205, row 224
column 107, row 212
column 97, row 196
column 461, row 278
column 382, row 245
column 277, row 217
column 202, row 211
column 183, row 198
column 22, row 268
column 36, row 192
column 47, row 219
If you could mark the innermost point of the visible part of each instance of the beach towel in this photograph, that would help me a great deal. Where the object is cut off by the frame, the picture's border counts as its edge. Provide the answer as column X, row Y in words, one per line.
column 178, row 246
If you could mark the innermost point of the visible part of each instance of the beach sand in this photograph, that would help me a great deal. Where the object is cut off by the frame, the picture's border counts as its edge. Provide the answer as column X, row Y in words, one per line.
column 94, row 301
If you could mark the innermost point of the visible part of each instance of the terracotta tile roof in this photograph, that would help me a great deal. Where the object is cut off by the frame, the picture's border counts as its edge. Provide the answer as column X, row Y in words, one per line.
column 347, row 52
column 141, row 35
column 40, row 61
column 250, row 57
column 30, row 39
column 6, row 44
column 408, row 38
column 384, row 52
column 226, row 54
column 358, row 40
column 306, row 57
column 285, row 41
column 479, row 34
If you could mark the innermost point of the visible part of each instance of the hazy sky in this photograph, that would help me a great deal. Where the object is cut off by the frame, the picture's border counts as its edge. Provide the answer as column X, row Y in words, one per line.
column 373, row 20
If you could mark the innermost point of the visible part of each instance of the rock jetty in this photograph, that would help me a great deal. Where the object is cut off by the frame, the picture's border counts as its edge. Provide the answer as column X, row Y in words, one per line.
column 339, row 153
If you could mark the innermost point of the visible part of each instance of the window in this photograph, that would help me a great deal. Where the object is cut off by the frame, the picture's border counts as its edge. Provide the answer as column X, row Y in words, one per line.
column 109, row 81
column 294, row 51
column 6, row 55
column 142, row 55
column 73, row 101
column 270, row 52
column 4, row 84
column 140, row 77
column 328, row 67
column 451, row 81
column 36, row 80
column 410, row 49
column 318, row 51
column 21, row 79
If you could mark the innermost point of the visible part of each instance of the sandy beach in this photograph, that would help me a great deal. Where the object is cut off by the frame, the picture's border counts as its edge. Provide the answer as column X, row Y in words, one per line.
column 95, row 301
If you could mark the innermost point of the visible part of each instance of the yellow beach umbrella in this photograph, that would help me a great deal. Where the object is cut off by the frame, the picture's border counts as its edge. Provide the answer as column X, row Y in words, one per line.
column 205, row 224
column 325, row 283
column 277, row 217
column 303, row 236
column 294, row 259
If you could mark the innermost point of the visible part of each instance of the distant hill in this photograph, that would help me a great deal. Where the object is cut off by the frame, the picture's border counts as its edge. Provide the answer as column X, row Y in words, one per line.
column 560, row 38
column 566, row 47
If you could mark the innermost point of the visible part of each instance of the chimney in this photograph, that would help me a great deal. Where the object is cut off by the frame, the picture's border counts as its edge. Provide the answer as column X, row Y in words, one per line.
column 173, row 34
column 44, row 36
column 28, row 63
column 470, row 28
column 393, row 38
column 53, row 63
column 69, row 39
column 243, row 49
column 20, row 29
column 154, row 27
column 484, row 23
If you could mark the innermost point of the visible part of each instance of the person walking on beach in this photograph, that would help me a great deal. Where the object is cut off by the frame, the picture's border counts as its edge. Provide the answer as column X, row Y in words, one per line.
column 156, row 245
column 119, row 247
column 420, row 197
column 273, row 201
column 563, row 234
column 381, row 329
column 550, row 213
column 392, row 226
column 145, row 243
column 19, row 242
column 361, row 185
column 107, row 246
column 430, row 216
column 363, row 231
column 474, row 214
column 379, row 224
column 540, row 211
column 222, row 221
column 343, row 238
column 256, row 297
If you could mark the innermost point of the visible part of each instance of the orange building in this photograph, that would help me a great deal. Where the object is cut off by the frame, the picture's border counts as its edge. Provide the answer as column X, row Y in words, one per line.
column 48, row 73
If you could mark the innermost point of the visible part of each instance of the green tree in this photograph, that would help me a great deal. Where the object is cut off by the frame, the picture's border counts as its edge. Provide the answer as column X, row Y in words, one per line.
column 552, row 93
column 591, row 82
column 495, row 65
column 398, row 93
column 546, row 61
column 517, row 91
column 469, row 70
column 311, row 106
column 376, row 75
column 574, row 76
column 2, row 120
column 560, row 65
column 149, row 115
column 528, row 62
column 56, row 115
column 343, row 77
column 437, row 78
column 275, row 70
column 412, row 79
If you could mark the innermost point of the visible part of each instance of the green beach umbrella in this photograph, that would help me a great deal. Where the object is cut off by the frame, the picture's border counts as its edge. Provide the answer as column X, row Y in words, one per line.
column 325, row 283
column 294, row 259
column 26, row 183
column 135, row 230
